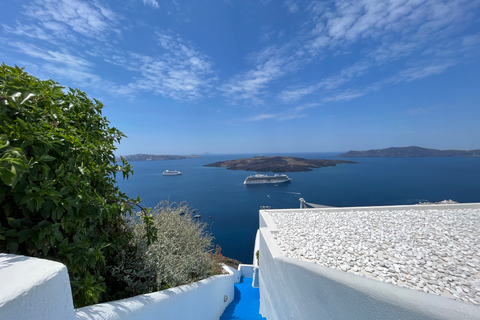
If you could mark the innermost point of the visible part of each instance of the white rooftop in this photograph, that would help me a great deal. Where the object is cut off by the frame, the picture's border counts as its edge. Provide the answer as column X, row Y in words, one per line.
column 433, row 248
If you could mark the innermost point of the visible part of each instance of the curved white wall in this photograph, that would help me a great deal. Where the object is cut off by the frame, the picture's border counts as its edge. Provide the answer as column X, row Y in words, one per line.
column 200, row 300
column 39, row 289
column 294, row 289
column 33, row 288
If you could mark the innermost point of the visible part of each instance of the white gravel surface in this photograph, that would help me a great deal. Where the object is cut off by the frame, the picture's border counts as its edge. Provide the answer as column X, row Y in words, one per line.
column 435, row 250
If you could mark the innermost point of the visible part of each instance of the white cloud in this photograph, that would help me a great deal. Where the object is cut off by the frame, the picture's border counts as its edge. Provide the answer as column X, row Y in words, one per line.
column 281, row 116
column 378, row 33
column 418, row 111
column 66, row 18
column 63, row 58
column 31, row 31
column 63, row 66
column 151, row 3
column 181, row 72
column 292, row 6
column 422, row 71
column 291, row 95
column 471, row 40
column 260, row 117
column 270, row 64
column 326, row 84
column 346, row 95
column 249, row 85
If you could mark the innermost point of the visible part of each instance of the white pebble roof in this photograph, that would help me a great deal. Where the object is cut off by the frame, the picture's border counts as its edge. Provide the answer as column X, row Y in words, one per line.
column 435, row 250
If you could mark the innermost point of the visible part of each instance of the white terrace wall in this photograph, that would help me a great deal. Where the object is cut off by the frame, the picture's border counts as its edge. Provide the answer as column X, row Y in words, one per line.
column 294, row 289
column 39, row 289
column 33, row 288
column 206, row 299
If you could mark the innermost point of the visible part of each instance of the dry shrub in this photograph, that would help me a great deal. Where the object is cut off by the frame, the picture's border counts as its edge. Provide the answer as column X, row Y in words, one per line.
column 181, row 254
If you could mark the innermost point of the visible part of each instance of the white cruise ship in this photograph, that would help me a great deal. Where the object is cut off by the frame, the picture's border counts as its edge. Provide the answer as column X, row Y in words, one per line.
column 171, row 173
column 263, row 178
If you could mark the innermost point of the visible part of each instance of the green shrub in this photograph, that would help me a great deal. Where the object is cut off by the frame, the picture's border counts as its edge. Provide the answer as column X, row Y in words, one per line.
column 59, row 199
column 180, row 255
column 58, row 194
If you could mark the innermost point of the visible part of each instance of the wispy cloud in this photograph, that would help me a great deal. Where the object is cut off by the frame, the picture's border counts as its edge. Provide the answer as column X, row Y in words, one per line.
column 264, row 116
column 349, row 94
column 181, row 72
column 281, row 116
column 417, row 111
column 30, row 31
column 295, row 94
column 270, row 64
column 288, row 114
column 65, row 19
column 151, row 3
column 326, row 84
column 62, row 65
column 249, row 85
column 419, row 33
column 292, row 5
column 63, row 58
column 421, row 71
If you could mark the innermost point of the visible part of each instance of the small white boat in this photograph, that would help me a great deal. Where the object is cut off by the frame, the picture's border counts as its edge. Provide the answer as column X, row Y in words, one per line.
column 171, row 173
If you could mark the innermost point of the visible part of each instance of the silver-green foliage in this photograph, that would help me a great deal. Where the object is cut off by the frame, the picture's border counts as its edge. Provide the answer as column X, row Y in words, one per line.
column 181, row 253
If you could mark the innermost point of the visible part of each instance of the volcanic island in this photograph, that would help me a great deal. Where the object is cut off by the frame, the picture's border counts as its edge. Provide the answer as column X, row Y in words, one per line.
column 276, row 164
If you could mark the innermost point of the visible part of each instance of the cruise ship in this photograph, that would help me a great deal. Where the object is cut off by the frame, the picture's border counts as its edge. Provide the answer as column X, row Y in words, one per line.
column 263, row 178
column 171, row 173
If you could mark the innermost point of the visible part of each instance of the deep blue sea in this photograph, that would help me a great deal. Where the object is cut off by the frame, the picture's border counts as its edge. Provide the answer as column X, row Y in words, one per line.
column 233, row 207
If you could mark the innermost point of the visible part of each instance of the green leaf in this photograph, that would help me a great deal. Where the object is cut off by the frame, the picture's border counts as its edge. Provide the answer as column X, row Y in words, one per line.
column 12, row 246
column 14, row 223
column 44, row 224
column 38, row 242
column 7, row 176
column 24, row 235
column 46, row 158
column 3, row 191
column 39, row 202
column 57, row 234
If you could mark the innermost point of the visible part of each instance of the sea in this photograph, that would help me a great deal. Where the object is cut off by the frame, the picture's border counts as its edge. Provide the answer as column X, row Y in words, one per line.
column 230, row 209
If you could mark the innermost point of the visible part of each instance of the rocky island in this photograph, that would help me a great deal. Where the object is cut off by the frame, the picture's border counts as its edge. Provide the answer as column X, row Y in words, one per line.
column 411, row 152
column 276, row 164
column 153, row 157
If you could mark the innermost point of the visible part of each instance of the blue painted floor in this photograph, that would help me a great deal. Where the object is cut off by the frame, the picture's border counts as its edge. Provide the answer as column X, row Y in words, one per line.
column 245, row 304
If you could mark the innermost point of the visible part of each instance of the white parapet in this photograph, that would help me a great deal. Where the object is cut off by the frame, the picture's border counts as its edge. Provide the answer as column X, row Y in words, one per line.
column 314, row 265
column 205, row 299
column 32, row 288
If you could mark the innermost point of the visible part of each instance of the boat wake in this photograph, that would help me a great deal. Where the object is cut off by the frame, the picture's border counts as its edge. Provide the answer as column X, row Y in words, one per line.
column 297, row 193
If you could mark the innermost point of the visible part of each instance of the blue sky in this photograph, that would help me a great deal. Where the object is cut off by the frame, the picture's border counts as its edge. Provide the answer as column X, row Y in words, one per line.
column 183, row 77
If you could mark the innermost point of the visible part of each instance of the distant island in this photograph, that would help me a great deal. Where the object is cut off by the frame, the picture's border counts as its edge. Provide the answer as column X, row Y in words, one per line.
column 276, row 164
column 153, row 157
column 411, row 152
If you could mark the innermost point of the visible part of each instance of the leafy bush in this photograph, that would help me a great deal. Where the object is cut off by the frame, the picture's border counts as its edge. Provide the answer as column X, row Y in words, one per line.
column 59, row 199
column 178, row 256
column 58, row 195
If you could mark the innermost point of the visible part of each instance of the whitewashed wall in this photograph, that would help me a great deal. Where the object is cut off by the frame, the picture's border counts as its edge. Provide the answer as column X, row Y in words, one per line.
column 205, row 299
column 294, row 289
column 33, row 288
column 39, row 289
